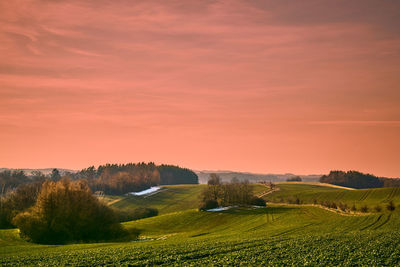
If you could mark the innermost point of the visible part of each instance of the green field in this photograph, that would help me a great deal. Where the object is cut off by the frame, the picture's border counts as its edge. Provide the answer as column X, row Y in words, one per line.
column 308, row 193
column 171, row 198
column 275, row 235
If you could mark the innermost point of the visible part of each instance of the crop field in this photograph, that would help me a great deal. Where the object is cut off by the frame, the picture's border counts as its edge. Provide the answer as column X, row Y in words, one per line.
column 275, row 235
column 308, row 193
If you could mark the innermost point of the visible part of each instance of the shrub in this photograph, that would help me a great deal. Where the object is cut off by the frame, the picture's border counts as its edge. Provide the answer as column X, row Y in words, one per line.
column 209, row 204
column 364, row 208
column 342, row 207
column 378, row 208
column 354, row 208
column 257, row 201
column 65, row 212
column 390, row 206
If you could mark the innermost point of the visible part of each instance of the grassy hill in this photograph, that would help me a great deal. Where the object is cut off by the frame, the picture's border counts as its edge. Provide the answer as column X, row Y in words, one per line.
column 275, row 235
column 307, row 193
column 171, row 198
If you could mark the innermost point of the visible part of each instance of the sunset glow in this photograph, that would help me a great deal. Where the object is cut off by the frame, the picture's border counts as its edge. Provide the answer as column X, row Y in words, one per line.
column 262, row 86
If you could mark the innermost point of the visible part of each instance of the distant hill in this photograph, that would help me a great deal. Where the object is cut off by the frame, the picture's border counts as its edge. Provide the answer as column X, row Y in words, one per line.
column 227, row 176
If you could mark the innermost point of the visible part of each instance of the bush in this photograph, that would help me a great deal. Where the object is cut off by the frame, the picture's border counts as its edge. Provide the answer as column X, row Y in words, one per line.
column 342, row 206
column 257, row 201
column 364, row 208
column 390, row 206
column 333, row 205
column 66, row 212
column 354, row 208
column 209, row 204
column 378, row 208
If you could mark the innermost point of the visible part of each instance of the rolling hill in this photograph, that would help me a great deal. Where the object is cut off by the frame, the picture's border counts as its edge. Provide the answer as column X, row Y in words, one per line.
column 309, row 193
column 275, row 235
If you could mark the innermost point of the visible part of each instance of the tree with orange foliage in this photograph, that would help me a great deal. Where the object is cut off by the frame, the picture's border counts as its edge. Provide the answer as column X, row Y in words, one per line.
column 65, row 212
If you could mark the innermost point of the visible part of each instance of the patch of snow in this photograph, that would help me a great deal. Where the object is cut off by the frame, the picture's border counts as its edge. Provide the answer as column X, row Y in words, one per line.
column 220, row 208
column 151, row 190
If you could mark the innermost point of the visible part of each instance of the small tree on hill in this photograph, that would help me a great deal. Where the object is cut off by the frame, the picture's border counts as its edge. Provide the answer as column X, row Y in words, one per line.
column 364, row 208
column 390, row 206
column 354, row 208
column 378, row 208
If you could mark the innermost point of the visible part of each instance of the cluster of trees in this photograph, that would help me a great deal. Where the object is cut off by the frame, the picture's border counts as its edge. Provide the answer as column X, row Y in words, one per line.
column 16, row 201
column 114, row 179
column 358, row 180
column 225, row 194
column 337, row 205
column 364, row 208
column 170, row 174
column 65, row 212
column 132, row 178
column 118, row 179
column 294, row 179
column 11, row 179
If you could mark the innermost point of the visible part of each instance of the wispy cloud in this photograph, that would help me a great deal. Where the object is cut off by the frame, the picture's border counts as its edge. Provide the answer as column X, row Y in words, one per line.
column 235, row 77
column 357, row 122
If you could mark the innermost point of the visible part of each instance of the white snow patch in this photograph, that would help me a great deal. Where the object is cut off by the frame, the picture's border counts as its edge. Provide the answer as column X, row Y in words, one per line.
column 221, row 208
column 151, row 190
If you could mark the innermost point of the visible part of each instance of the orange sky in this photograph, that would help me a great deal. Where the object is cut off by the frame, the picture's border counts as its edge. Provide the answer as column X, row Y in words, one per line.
column 261, row 86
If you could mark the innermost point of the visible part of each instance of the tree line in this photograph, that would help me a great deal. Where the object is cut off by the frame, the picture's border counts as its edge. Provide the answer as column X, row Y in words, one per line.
column 358, row 180
column 114, row 179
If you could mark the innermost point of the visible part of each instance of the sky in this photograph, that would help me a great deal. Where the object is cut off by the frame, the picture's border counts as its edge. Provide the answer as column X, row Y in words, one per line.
column 263, row 86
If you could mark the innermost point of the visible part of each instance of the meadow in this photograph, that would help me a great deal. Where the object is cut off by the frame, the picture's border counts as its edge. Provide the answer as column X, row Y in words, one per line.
column 275, row 235
column 309, row 193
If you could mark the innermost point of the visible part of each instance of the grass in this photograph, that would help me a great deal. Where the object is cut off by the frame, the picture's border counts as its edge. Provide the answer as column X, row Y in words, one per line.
column 308, row 193
column 171, row 198
column 275, row 235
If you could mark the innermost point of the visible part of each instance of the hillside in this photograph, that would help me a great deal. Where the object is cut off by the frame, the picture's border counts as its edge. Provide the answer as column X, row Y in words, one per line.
column 273, row 236
column 308, row 193
column 279, row 234
column 170, row 198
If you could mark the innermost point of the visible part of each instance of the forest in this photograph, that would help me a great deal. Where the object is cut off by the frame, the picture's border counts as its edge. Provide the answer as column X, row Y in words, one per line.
column 20, row 192
column 358, row 180
column 114, row 179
